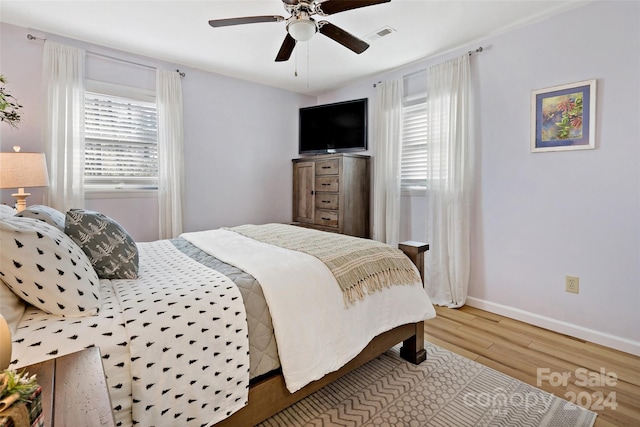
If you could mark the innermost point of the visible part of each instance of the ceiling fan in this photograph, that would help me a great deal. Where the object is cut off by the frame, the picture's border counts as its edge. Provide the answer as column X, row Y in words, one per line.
column 301, row 26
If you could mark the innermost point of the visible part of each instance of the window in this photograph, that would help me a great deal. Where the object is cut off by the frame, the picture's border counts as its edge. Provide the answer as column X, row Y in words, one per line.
column 415, row 147
column 413, row 167
column 121, row 138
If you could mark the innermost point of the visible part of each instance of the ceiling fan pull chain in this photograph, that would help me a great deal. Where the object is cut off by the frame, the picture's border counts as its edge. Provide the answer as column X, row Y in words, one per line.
column 308, row 69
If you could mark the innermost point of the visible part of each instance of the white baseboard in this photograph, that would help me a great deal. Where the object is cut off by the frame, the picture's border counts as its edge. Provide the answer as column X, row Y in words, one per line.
column 612, row 341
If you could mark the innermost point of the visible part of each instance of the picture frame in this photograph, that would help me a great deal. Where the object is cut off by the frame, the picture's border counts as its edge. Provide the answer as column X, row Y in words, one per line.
column 564, row 117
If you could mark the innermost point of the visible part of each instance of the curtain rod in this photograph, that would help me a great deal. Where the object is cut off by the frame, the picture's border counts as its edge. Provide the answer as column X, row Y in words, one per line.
column 471, row 52
column 101, row 55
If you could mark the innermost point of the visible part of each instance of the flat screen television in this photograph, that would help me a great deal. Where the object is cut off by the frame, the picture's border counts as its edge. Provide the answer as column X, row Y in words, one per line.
column 333, row 128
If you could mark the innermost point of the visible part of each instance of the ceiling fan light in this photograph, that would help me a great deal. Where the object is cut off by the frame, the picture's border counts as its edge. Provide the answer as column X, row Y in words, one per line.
column 302, row 29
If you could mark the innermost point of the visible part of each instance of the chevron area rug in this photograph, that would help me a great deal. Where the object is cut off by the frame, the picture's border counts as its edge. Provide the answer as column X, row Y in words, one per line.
column 445, row 390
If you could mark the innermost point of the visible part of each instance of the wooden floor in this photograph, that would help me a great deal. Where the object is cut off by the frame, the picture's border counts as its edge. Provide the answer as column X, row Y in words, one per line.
column 541, row 358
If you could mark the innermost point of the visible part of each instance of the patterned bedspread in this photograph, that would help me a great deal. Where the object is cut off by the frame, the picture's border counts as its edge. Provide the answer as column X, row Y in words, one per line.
column 263, row 350
column 174, row 342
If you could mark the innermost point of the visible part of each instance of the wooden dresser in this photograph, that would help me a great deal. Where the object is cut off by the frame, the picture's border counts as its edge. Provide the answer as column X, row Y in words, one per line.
column 331, row 193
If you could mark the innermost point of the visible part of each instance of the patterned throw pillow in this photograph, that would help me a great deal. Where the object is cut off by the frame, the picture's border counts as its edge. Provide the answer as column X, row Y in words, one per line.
column 112, row 252
column 44, row 213
column 44, row 267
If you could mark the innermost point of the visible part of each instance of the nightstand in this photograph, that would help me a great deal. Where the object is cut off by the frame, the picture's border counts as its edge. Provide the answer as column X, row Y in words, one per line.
column 74, row 390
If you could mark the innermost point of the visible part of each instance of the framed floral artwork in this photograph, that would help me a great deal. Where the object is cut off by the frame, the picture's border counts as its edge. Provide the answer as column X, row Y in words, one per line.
column 564, row 117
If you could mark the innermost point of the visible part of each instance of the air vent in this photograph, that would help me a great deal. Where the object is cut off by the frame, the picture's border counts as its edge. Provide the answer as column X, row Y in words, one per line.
column 382, row 32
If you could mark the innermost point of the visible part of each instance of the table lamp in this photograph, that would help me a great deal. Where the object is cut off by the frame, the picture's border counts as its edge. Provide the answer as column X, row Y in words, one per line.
column 20, row 170
column 5, row 344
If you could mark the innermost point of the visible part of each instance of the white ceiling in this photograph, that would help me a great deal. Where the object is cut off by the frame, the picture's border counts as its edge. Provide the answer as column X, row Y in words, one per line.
column 178, row 31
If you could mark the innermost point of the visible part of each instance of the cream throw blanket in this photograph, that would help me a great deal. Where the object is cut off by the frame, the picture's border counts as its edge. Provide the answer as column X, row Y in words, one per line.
column 360, row 266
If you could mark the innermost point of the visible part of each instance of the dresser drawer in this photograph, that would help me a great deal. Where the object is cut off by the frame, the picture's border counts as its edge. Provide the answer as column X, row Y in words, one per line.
column 327, row 167
column 327, row 183
column 327, row 218
column 326, row 201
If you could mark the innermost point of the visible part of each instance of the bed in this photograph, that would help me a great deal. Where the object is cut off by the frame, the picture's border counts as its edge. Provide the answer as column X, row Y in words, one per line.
column 223, row 327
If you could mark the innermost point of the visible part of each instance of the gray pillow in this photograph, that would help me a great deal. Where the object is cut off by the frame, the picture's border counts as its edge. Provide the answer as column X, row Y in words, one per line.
column 44, row 213
column 110, row 249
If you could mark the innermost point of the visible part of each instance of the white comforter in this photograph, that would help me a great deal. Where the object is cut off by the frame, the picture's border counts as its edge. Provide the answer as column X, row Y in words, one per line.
column 315, row 332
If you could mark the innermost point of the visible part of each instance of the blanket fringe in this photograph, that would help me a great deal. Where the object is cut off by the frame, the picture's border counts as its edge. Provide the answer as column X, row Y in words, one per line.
column 375, row 283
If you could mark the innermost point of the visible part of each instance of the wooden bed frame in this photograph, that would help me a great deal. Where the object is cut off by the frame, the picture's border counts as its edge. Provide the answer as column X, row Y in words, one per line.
column 270, row 395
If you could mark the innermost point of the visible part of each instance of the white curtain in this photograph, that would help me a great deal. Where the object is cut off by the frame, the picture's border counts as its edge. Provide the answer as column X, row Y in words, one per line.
column 448, row 181
column 386, row 162
column 63, row 72
column 170, row 152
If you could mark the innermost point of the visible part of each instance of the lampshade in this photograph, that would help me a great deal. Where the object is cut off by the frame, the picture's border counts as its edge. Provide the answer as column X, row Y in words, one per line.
column 20, row 170
column 302, row 29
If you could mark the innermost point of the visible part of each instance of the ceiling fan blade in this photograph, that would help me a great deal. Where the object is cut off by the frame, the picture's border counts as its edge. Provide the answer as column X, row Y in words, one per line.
column 286, row 49
column 245, row 20
column 330, row 7
column 344, row 38
column 291, row 2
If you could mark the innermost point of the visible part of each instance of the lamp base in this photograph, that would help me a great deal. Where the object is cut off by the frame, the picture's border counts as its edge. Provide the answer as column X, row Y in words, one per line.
column 5, row 344
column 21, row 202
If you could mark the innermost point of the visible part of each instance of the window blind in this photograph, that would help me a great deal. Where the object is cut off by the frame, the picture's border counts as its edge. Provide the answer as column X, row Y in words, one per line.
column 413, row 167
column 121, row 143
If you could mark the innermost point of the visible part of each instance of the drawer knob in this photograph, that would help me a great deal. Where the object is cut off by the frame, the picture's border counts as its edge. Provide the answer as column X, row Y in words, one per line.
column 326, row 219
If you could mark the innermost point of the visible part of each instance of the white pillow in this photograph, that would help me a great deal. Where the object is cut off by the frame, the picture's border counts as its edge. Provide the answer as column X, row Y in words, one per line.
column 44, row 213
column 44, row 267
column 11, row 307
column 6, row 211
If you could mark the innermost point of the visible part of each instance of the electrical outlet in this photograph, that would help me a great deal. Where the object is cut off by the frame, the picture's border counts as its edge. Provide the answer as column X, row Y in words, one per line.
column 572, row 284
